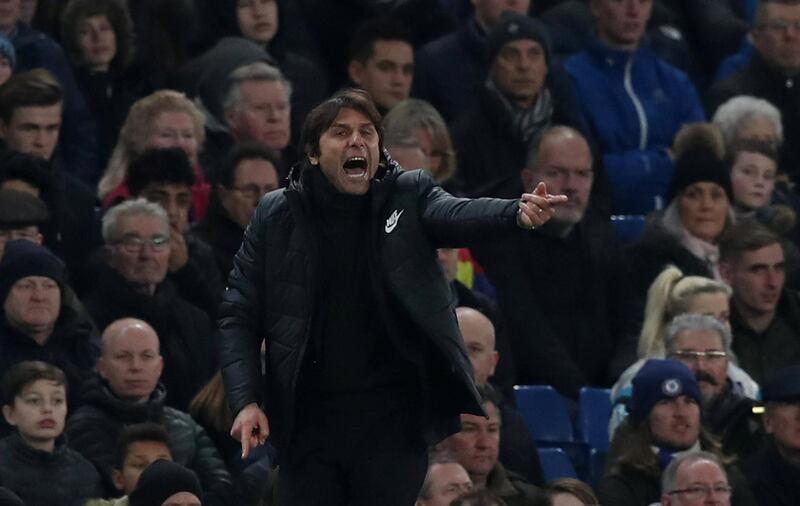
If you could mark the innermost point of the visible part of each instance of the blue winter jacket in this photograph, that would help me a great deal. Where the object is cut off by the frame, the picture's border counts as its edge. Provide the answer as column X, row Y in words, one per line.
column 634, row 103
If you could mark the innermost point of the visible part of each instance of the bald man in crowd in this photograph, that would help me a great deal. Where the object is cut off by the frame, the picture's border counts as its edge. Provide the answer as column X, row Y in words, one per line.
column 517, row 449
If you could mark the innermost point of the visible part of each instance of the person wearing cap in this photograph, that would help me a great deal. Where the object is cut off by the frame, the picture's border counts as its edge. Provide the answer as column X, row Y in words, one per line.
column 765, row 314
column 523, row 95
column 20, row 216
column 36, row 323
column 686, row 234
column 165, row 483
column 579, row 334
column 450, row 70
column 774, row 472
column 663, row 423
column 634, row 103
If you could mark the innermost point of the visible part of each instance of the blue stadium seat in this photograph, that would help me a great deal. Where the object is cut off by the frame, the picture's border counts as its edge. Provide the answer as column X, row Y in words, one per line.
column 544, row 412
column 594, row 413
column 597, row 467
column 628, row 227
column 556, row 464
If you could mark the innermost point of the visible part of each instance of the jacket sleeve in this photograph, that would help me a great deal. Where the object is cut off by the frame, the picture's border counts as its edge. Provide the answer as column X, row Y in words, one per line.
column 240, row 343
column 85, row 434
column 453, row 222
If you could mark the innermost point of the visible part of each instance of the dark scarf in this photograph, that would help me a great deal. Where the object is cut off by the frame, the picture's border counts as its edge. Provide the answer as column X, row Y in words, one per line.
column 525, row 122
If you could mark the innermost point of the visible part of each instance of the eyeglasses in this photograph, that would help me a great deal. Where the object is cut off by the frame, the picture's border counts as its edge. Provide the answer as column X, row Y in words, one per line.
column 252, row 191
column 780, row 25
column 697, row 492
column 134, row 243
column 695, row 356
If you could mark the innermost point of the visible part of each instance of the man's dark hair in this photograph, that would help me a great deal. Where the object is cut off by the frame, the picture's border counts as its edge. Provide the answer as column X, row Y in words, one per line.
column 323, row 116
column 148, row 431
column 118, row 16
column 746, row 235
column 481, row 497
column 488, row 393
column 362, row 45
column 30, row 169
column 160, row 166
column 241, row 152
column 34, row 88
column 25, row 373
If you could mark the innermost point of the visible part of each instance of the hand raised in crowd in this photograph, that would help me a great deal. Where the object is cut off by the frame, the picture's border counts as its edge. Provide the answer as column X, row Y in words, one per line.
column 536, row 208
column 250, row 427
column 178, row 252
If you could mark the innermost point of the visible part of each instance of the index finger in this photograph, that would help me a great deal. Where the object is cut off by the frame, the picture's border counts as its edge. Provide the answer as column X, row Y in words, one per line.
column 245, row 435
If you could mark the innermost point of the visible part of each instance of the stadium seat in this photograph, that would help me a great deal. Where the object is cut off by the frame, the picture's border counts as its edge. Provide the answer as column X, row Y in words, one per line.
column 628, row 227
column 597, row 466
column 556, row 464
column 544, row 413
column 594, row 413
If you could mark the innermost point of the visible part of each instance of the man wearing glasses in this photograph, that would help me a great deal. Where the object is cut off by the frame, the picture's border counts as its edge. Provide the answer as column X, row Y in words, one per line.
column 663, row 424
column 134, row 284
column 772, row 73
column 696, row 478
column 702, row 343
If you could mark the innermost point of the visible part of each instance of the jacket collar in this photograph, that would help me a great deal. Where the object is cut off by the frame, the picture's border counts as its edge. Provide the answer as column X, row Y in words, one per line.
column 97, row 393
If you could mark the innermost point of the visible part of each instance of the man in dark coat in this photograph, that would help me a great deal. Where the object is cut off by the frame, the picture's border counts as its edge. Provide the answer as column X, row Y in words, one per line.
column 337, row 276
column 126, row 390
column 774, row 472
column 580, row 332
column 134, row 284
column 524, row 94
column 36, row 322
column 765, row 315
column 771, row 74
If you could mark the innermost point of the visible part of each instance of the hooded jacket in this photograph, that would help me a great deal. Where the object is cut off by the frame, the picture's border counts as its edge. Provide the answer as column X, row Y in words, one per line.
column 271, row 291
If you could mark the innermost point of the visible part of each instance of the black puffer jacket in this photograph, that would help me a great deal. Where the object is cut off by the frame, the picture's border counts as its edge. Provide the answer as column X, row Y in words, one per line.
column 271, row 293
column 43, row 479
column 94, row 429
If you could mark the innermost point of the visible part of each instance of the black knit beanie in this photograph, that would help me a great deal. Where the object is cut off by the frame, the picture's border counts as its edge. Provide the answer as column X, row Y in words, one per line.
column 514, row 26
column 699, row 165
column 162, row 479
column 25, row 258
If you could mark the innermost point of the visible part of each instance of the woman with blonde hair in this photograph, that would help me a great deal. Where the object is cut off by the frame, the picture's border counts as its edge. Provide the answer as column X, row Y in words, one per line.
column 672, row 294
column 164, row 119
column 418, row 120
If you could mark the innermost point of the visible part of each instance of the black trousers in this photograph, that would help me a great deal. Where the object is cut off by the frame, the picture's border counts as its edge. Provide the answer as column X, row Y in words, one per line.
column 341, row 456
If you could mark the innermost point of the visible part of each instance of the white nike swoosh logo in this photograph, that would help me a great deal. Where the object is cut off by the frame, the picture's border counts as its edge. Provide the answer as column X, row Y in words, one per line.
column 392, row 221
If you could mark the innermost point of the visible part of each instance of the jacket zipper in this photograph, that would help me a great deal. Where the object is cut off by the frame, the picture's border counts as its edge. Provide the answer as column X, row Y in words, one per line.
column 637, row 104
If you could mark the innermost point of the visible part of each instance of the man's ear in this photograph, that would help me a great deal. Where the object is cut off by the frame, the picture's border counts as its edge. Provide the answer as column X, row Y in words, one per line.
column 355, row 71
column 100, row 367
column 495, row 360
column 116, row 479
column 3, row 129
column 8, row 414
column 725, row 271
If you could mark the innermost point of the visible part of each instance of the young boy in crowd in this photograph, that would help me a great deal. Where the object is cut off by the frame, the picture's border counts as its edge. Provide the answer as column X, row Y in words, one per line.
column 34, row 461
column 139, row 446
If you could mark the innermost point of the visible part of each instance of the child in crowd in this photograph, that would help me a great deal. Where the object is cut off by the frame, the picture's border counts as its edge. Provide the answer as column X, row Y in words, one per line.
column 34, row 461
column 139, row 446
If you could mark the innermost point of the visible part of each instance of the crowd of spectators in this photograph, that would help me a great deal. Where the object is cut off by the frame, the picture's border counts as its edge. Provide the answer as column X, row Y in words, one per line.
column 137, row 138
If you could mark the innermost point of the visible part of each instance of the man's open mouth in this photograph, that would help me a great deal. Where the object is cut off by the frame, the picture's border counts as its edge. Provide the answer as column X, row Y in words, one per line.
column 355, row 166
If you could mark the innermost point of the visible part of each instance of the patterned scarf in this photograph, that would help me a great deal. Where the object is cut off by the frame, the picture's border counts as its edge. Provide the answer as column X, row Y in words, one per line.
column 525, row 123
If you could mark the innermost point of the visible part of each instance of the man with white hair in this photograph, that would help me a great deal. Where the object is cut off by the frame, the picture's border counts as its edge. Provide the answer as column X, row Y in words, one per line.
column 703, row 344
column 693, row 479
column 134, row 284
